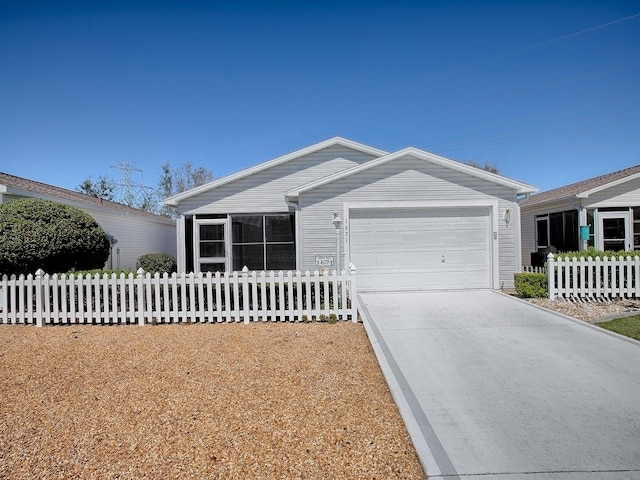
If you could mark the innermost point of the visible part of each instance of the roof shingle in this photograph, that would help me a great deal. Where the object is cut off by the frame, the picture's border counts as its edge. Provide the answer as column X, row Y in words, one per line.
column 64, row 194
column 579, row 187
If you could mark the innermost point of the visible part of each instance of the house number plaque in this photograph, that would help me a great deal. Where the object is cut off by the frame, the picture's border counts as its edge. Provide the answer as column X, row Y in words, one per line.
column 325, row 261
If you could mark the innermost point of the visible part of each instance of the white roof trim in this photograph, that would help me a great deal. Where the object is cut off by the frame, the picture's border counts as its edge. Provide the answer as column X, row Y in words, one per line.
column 422, row 155
column 174, row 200
column 600, row 188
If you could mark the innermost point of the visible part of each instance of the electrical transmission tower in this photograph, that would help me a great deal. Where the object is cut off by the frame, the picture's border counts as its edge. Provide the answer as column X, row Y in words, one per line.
column 129, row 190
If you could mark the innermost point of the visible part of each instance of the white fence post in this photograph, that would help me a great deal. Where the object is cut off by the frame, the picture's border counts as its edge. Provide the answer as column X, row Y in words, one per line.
column 40, row 298
column 140, row 289
column 551, row 272
column 353, row 292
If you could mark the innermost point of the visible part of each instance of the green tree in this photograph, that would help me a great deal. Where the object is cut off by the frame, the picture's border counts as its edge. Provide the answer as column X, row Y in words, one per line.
column 180, row 179
column 37, row 233
column 172, row 181
column 186, row 177
column 102, row 188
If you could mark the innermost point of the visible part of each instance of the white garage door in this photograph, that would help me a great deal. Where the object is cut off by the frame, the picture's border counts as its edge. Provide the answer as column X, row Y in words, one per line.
column 398, row 249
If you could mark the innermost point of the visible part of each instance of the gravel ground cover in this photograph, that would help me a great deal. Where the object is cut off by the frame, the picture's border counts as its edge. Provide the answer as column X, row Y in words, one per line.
column 197, row 401
column 590, row 311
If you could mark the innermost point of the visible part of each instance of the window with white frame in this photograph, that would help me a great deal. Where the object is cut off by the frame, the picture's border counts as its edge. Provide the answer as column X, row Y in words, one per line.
column 263, row 242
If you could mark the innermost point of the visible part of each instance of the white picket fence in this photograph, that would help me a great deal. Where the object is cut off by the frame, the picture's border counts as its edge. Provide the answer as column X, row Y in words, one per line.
column 143, row 298
column 607, row 277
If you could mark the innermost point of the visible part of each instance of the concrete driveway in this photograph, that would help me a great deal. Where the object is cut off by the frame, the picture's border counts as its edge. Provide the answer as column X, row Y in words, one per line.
column 491, row 387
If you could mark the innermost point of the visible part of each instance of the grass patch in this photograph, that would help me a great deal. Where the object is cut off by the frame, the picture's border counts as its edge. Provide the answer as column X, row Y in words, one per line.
column 627, row 326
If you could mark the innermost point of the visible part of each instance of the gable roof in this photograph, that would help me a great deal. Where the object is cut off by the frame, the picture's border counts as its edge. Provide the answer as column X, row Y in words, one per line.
column 584, row 188
column 23, row 187
column 176, row 199
column 519, row 187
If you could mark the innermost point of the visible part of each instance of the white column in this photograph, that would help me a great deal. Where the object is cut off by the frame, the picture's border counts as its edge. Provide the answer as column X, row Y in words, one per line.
column 180, row 244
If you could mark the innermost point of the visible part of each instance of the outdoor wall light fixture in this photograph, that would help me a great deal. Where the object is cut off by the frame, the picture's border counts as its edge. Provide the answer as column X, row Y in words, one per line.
column 507, row 216
column 337, row 222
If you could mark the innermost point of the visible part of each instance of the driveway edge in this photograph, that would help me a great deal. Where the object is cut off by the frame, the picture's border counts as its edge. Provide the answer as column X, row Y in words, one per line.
column 431, row 453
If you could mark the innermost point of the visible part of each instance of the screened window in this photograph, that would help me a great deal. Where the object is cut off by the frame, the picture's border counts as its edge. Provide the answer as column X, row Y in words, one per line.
column 559, row 230
column 264, row 242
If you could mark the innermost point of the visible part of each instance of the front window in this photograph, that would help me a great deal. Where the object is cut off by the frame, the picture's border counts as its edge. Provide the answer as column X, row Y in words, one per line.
column 263, row 242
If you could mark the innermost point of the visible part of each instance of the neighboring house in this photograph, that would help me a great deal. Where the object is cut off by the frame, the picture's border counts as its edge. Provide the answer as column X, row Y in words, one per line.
column 132, row 232
column 606, row 209
column 405, row 220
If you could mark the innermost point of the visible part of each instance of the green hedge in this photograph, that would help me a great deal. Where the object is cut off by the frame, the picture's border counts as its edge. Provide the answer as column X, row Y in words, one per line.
column 100, row 271
column 592, row 253
column 531, row 285
column 37, row 233
column 157, row 262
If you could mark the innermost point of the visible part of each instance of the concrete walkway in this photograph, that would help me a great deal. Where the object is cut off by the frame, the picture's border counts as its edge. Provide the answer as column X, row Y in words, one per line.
column 493, row 388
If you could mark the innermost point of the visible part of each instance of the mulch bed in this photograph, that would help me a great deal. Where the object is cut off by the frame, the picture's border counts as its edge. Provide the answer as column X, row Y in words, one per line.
column 197, row 401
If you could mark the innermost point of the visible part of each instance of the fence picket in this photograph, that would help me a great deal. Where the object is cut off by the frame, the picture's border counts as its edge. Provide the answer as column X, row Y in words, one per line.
column 142, row 298
column 594, row 277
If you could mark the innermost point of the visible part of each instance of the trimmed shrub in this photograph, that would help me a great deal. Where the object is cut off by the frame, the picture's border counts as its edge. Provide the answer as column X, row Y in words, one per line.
column 57, row 238
column 592, row 253
column 101, row 272
column 157, row 262
column 531, row 285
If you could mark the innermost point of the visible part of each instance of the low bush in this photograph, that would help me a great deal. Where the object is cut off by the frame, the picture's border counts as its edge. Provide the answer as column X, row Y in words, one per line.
column 531, row 285
column 157, row 262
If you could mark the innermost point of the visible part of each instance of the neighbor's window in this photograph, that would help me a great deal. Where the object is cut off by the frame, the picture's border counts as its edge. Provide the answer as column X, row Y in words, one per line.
column 559, row 230
column 263, row 242
column 542, row 232
column 636, row 228
column 590, row 221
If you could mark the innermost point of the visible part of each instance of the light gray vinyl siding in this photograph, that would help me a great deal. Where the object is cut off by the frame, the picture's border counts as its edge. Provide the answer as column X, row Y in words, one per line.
column 404, row 179
column 263, row 192
column 136, row 235
column 624, row 195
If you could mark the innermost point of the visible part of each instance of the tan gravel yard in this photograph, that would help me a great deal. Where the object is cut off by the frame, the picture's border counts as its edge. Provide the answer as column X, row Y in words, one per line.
column 590, row 311
column 197, row 401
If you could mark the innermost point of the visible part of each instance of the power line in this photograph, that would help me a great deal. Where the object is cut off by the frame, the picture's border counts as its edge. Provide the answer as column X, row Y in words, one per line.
column 410, row 115
column 601, row 127
column 439, row 109
column 526, row 130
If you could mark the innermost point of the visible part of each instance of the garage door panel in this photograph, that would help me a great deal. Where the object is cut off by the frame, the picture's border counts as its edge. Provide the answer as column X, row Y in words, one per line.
column 385, row 238
column 421, row 248
column 408, row 238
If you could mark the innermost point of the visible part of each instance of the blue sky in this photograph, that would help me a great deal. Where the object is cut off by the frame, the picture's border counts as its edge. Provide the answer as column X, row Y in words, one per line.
column 547, row 91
